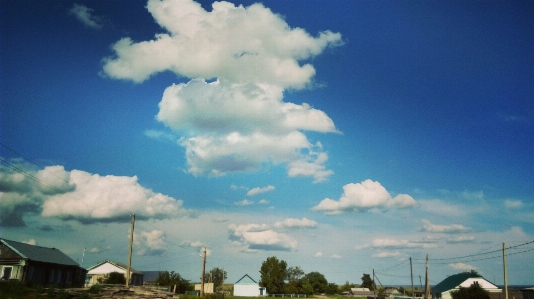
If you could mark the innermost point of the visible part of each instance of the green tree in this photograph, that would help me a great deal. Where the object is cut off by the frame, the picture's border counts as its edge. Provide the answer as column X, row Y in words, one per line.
column 317, row 281
column 273, row 272
column 294, row 273
column 367, row 282
column 172, row 278
column 475, row 291
column 115, row 278
column 218, row 276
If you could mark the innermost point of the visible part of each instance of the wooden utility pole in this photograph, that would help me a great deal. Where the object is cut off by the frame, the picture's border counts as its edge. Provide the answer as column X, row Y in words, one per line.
column 128, row 272
column 427, row 281
column 374, row 285
column 203, row 273
column 411, row 274
column 505, row 276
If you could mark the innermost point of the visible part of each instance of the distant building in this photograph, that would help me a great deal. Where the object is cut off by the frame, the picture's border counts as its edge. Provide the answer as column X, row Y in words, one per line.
column 452, row 283
column 102, row 270
column 248, row 287
column 208, row 287
column 360, row 292
column 40, row 265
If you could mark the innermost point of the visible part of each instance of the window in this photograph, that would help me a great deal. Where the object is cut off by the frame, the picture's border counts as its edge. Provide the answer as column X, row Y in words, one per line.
column 58, row 276
column 51, row 277
column 68, row 276
column 29, row 275
column 6, row 273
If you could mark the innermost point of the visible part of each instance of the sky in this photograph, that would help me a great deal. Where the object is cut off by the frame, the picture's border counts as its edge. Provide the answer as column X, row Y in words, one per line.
column 339, row 136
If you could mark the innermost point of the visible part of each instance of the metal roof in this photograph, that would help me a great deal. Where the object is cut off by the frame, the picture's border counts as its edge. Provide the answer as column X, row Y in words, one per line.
column 116, row 264
column 453, row 281
column 39, row 254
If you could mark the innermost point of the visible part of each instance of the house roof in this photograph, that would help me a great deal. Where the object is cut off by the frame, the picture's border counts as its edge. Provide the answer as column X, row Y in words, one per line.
column 246, row 279
column 39, row 254
column 116, row 264
column 453, row 281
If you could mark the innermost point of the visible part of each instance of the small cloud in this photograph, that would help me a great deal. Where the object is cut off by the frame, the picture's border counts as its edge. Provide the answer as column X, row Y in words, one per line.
column 360, row 247
column 335, row 256
column 244, row 202
column 258, row 190
column 384, row 254
column 427, row 226
column 263, row 202
column 260, row 237
column 296, row 223
column 85, row 15
column 94, row 250
column 392, row 243
column 150, row 243
column 362, row 197
column 30, row 242
column 160, row 135
column 461, row 239
column 318, row 254
column 462, row 266
column 220, row 219
column 513, row 204
column 235, row 187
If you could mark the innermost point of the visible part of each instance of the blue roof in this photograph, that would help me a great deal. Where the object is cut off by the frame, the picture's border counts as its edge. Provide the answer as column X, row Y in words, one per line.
column 40, row 254
column 453, row 281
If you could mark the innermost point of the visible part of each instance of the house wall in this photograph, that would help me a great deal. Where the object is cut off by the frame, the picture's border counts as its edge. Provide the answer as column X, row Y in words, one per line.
column 252, row 290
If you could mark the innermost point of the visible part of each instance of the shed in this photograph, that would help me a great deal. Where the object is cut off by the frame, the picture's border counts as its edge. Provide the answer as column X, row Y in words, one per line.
column 102, row 270
column 465, row 279
column 40, row 265
column 248, row 287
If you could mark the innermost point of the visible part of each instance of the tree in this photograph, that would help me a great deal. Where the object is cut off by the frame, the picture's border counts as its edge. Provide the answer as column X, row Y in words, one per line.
column 218, row 276
column 173, row 278
column 115, row 278
column 273, row 272
column 317, row 281
column 294, row 273
column 367, row 282
column 475, row 291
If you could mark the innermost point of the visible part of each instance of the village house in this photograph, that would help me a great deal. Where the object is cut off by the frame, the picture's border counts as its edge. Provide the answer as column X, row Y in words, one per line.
column 39, row 265
column 452, row 283
column 100, row 271
column 248, row 287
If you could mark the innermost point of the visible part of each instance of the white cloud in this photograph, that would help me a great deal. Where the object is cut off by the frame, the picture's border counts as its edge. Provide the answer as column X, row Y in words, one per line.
column 258, row 190
column 244, row 202
column 360, row 247
column 362, row 197
column 94, row 250
column 150, row 243
column 462, row 267
column 85, row 15
column 238, row 122
column 513, row 204
column 394, row 243
column 260, row 237
column 440, row 207
column 318, row 254
column 220, row 219
column 427, row 226
column 383, row 254
column 335, row 256
column 30, row 242
column 263, row 202
column 296, row 223
column 461, row 239
column 160, row 135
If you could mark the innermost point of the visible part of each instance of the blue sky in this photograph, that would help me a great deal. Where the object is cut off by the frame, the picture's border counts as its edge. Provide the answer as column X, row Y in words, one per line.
column 341, row 137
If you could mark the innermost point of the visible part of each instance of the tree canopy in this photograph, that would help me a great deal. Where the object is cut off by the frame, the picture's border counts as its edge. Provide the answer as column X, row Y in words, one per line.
column 367, row 282
column 475, row 291
column 273, row 272
column 115, row 278
column 218, row 276
column 172, row 278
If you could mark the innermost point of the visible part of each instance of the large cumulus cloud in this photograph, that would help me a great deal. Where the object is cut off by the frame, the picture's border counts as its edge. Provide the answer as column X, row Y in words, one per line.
column 79, row 195
column 238, row 121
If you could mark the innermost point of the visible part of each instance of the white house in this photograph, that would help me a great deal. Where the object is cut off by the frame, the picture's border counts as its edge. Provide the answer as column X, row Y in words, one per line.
column 452, row 283
column 248, row 287
column 102, row 269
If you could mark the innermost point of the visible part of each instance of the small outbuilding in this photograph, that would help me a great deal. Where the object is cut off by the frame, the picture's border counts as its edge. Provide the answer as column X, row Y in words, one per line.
column 465, row 279
column 101, row 270
column 40, row 265
column 248, row 287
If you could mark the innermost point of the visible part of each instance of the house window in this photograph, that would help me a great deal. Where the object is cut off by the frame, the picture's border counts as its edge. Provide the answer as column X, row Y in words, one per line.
column 51, row 276
column 68, row 276
column 58, row 276
column 29, row 275
column 6, row 273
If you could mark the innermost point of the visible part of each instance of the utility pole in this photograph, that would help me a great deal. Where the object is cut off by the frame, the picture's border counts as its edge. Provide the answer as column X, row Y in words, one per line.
column 128, row 272
column 411, row 274
column 374, row 285
column 505, row 276
column 427, row 281
column 203, row 273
